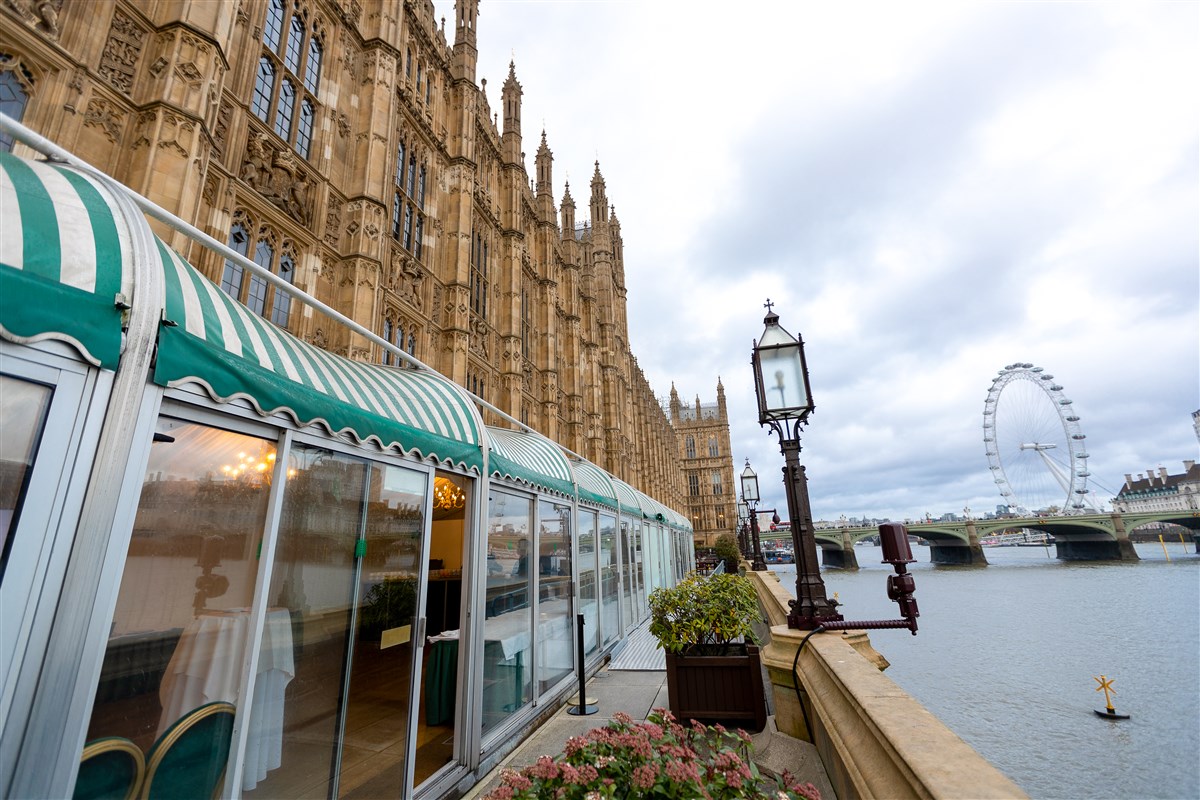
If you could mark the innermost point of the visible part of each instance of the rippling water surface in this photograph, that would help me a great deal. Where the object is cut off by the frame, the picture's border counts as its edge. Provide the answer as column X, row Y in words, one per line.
column 1006, row 655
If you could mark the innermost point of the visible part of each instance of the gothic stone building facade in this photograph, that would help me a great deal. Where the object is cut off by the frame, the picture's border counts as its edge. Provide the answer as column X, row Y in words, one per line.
column 704, row 450
column 345, row 145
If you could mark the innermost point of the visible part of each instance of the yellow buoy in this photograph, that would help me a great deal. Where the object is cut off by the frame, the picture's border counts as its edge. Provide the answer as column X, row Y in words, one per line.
column 1106, row 686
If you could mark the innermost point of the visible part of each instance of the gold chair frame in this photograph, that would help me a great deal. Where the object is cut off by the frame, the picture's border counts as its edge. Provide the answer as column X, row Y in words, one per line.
column 117, row 743
column 185, row 723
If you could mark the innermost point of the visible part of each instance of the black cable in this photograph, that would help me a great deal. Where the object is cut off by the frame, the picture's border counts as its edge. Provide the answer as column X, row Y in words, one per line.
column 796, row 682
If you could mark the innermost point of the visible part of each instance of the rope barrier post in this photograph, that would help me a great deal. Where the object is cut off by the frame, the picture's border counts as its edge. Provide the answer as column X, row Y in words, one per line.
column 582, row 709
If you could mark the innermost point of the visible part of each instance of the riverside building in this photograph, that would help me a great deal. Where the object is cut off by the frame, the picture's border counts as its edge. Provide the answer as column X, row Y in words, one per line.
column 253, row 522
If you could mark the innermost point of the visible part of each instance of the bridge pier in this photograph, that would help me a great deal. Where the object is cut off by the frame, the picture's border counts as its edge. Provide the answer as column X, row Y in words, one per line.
column 959, row 553
column 1099, row 548
column 845, row 558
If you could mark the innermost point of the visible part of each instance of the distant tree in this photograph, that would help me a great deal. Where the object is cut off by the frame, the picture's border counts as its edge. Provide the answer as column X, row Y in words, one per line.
column 726, row 548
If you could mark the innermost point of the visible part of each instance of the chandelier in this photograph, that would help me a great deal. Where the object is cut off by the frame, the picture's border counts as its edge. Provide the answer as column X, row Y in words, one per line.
column 447, row 495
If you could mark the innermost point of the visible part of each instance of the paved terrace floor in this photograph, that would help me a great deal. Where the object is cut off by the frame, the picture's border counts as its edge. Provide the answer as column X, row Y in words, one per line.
column 635, row 681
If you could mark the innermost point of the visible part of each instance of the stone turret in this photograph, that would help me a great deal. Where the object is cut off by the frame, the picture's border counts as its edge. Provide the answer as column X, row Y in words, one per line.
column 466, row 52
column 510, row 100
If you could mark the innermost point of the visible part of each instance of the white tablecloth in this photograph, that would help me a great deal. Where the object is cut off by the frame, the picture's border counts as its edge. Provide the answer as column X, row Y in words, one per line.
column 207, row 667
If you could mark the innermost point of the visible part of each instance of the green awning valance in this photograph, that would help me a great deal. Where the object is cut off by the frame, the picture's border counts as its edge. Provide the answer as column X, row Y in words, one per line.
column 63, row 253
column 529, row 458
column 209, row 339
column 595, row 485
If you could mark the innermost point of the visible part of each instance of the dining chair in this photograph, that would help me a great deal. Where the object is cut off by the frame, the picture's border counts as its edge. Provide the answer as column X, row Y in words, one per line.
column 111, row 768
column 188, row 760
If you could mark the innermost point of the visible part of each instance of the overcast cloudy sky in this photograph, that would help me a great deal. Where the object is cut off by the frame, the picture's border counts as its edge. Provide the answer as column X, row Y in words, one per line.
column 927, row 191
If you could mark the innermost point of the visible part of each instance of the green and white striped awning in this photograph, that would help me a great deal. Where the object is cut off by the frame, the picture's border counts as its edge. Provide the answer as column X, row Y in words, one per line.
column 627, row 496
column 209, row 339
column 63, row 253
column 529, row 458
column 595, row 485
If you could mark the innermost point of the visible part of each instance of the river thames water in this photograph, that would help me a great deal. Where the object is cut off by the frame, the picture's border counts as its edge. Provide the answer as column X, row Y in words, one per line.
column 1005, row 655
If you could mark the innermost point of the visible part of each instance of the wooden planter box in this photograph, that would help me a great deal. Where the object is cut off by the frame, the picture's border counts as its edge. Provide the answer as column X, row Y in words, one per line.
column 724, row 689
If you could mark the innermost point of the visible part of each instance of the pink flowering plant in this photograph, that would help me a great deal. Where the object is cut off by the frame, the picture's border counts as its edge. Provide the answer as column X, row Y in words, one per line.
column 657, row 758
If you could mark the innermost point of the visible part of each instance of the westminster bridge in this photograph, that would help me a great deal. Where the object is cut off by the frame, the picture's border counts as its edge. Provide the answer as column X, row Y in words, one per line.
column 1077, row 537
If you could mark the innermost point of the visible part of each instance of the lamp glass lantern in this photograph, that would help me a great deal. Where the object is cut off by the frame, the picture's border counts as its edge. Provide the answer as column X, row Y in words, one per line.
column 749, row 486
column 780, row 375
column 743, row 511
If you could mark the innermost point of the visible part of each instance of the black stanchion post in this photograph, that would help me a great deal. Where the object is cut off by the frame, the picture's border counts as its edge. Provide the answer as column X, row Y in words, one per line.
column 583, row 709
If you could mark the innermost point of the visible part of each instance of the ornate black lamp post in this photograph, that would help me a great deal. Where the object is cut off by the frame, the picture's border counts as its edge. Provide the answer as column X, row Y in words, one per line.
column 751, row 498
column 784, row 403
column 743, row 512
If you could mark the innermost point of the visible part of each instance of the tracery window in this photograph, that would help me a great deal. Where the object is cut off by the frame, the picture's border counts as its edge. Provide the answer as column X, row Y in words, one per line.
column 694, row 485
column 252, row 291
column 393, row 331
column 479, row 276
column 289, row 74
column 714, row 449
column 13, row 97
column 716, row 483
column 408, row 202
column 690, row 446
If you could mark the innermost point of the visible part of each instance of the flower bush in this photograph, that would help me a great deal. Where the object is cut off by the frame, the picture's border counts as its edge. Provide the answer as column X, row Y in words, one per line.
column 657, row 758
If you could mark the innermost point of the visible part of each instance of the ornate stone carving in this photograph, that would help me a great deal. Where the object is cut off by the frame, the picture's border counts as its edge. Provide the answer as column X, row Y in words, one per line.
column 221, row 129
column 158, row 66
column 188, row 73
column 105, row 116
column 276, row 174
column 210, row 189
column 405, row 277
column 173, row 126
column 479, row 338
column 333, row 222
column 121, row 52
column 343, row 125
column 41, row 15
column 317, row 338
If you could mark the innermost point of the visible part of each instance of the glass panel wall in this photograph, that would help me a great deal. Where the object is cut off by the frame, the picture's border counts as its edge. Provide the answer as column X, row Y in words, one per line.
column 181, row 624
column 639, row 572
column 309, row 615
column 23, row 408
column 556, row 625
column 375, row 740
column 589, row 586
column 610, row 579
column 628, row 593
column 508, row 613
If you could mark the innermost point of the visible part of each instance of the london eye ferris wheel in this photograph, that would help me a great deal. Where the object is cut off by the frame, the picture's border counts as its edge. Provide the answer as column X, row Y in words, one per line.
column 1034, row 443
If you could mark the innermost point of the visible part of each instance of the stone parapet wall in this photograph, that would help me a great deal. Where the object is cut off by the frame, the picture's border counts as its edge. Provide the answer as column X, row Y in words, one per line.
column 874, row 739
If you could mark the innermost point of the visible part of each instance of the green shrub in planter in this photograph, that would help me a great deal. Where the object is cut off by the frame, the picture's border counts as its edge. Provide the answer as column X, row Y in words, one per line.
column 726, row 548
column 704, row 616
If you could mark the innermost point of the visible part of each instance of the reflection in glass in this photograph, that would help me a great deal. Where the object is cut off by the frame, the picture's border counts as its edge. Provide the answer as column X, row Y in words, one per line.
column 508, row 623
column 23, row 408
column 627, row 590
column 610, row 579
column 311, row 595
column 588, row 585
column 181, row 624
column 639, row 575
column 377, row 710
column 555, row 625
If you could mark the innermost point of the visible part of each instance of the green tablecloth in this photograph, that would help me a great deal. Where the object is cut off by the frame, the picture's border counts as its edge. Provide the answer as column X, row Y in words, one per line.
column 441, row 682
